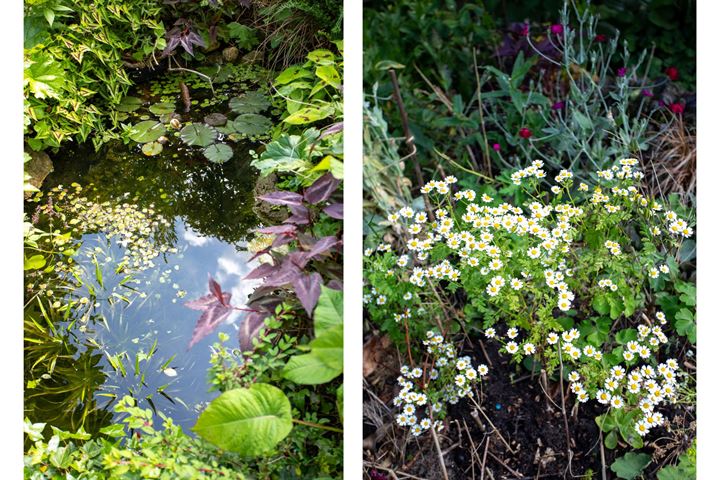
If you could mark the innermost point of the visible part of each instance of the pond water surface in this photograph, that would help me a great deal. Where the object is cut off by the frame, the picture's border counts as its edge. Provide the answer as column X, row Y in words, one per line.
column 133, row 338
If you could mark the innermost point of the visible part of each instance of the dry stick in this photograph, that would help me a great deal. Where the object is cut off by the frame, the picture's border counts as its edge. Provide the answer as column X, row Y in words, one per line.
column 509, row 468
column 393, row 472
column 487, row 444
column 488, row 165
column 602, row 454
column 562, row 398
column 478, row 408
column 439, row 451
column 410, row 140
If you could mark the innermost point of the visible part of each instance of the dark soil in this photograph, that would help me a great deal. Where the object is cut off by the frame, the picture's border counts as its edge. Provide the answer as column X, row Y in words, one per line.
column 533, row 425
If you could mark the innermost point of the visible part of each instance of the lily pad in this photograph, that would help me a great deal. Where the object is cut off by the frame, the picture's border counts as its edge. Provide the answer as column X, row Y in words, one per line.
column 251, row 124
column 251, row 102
column 162, row 108
column 198, row 134
column 152, row 148
column 147, row 131
column 129, row 104
column 215, row 119
column 218, row 153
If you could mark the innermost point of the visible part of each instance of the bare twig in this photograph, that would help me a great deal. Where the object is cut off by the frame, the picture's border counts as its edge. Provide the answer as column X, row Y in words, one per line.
column 440, row 453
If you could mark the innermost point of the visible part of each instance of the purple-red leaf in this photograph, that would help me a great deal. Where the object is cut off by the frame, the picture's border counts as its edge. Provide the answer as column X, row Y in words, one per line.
column 261, row 272
column 287, row 273
column 335, row 284
column 307, row 289
column 300, row 215
column 322, row 246
column 282, row 198
column 277, row 229
column 215, row 307
column 335, row 210
column 251, row 327
column 281, row 240
column 298, row 258
column 321, row 189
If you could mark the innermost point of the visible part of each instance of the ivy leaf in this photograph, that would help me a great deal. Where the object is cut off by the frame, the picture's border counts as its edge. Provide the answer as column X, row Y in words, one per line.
column 321, row 189
column 631, row 465
column 249, row 421
column 307, row 289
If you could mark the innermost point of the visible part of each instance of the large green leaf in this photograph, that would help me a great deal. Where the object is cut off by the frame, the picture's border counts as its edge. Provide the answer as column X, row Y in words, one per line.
column 329, row 75
column 162, row 108
column 198, row 134
column 251, row 124
column 218, row 153
column 309, row 369
column 249, row 421
column 329, row 310
column 147, row 131
column 328, row 347
column 292, row 73
column 129, row 104
column 250, row 102
column 631, row 465
column 309, row 115
column 285, row 154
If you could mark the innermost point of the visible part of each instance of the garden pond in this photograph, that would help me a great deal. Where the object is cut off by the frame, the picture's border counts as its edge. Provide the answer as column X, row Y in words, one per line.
column 144, row 224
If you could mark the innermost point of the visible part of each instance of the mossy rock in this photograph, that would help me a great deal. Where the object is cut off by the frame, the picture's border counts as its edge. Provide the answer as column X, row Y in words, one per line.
column 38, row 168
column 266, row 213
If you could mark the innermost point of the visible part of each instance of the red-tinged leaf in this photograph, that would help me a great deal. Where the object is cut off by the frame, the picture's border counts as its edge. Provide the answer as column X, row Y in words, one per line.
column 307, row 289
column 322, row 246
column 250, row 328
column 261, row 272
column 259, row 254
column 335, row 284
column 282, row 198
column 335, row 210
column 209, row 321
column 215, row 289
column 278, row 229
column 300, row 215
column 287, row 273
column 298, row 258
column 331, row 129
column 281, row 240
column 321, row 189
column 215, row 307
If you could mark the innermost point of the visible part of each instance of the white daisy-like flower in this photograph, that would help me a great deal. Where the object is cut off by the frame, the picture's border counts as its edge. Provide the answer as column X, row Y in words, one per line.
column 511, row 347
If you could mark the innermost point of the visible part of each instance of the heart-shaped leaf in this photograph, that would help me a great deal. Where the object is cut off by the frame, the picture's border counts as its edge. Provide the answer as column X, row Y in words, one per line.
column 249, row 421
column 198, row 134
column 309, row 115
column 251, row 124
column 147, row 131
column 218, row 153
column 250, row 102
column 250, row 329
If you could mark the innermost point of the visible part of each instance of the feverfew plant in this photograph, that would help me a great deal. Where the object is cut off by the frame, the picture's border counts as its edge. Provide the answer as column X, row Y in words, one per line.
column 443, row 379
column 543, row 269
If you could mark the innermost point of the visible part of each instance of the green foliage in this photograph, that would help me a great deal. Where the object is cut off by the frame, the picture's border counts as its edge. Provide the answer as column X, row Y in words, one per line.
column 686, row 467
column 74, row 65
column 151, row 453
column 631, row 465
column 249, row 421
column 325, row 360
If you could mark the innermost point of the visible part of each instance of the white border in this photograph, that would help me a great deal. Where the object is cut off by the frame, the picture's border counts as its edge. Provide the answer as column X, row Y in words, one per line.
column 352, row 275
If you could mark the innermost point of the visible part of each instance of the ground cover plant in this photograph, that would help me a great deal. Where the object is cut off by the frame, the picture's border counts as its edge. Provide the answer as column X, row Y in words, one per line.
column 529, row 312
column 151, row 153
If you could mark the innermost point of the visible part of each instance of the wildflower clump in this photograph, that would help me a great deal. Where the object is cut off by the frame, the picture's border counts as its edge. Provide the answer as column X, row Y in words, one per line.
column 425, row 392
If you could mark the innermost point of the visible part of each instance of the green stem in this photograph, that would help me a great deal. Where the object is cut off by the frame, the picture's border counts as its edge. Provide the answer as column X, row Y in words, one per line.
column 316, row 425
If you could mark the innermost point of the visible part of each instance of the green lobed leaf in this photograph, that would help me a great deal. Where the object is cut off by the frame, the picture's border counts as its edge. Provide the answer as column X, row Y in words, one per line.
column 218, row 153
column 251, row 124
column 198, row 134
column 631, row 465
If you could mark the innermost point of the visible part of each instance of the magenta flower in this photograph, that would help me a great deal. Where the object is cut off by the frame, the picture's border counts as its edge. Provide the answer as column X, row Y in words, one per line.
column 646, row 93
column 525, row 30
column 677, row 108
column 558, row 105
column 600, row 38
column 525, row 132
column 556, row 29
column 621, row 71
column 496, row 147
